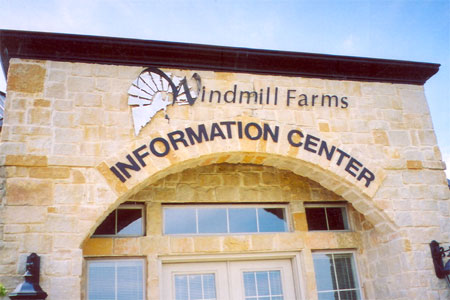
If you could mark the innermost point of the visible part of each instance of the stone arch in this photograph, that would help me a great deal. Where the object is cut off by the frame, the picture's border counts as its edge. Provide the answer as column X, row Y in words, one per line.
column 330, row 178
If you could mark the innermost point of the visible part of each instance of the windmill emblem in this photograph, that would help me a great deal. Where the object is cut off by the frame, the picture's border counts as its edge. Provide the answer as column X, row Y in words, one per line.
column 154, row 90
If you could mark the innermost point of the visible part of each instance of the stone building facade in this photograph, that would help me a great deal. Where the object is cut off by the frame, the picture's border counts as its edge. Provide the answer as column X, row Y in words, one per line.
column 285, row 133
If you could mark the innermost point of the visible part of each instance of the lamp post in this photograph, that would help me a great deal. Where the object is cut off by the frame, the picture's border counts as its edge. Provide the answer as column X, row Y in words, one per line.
column 30, row 288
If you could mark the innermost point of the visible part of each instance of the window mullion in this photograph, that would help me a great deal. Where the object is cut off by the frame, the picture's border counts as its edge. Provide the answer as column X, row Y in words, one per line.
column 115, row 221
column 115, row 280
column 188, row 287
column 326, row 218
column 203, row 288
column 336, row 276
column 228, row 220
column 257, row 220
column 196, row 220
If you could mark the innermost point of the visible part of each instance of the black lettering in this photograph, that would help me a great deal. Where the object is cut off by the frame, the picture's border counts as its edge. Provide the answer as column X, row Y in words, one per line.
column 239, row 129
column 303, row 101
column 154, row 150
column 353, row 164
column 330, row 98
column 249, row 94
column 216, row 131
column 228, row 125
column 258, row 129
column 233, row 92
column 341, row 157
column 198, row 138
column 289, row 97
column 260, row 96
column 276, row 95
column 324, row 147
column 273, row 135
column 344, row 102
column 117, row 173
column 131, row 166
column 203, row 94
column 367, row 175
column 211, row 93
column 174, row 140
column 187, row 92
column 314, row 97
column 309, row 142
column 268, row 96
column 139, row 156
column 290, row 137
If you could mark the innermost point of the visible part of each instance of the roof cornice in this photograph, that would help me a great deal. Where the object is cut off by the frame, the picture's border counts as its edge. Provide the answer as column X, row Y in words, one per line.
column 133, row 52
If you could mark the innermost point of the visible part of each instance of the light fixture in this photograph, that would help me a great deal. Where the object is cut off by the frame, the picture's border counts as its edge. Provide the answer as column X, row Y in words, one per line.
column 30, row 288
column 438, row 253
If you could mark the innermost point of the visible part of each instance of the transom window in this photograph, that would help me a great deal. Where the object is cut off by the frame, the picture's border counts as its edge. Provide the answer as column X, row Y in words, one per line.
column 336, row 276
column 213, row 219
column 326, row 216
column 126, row 220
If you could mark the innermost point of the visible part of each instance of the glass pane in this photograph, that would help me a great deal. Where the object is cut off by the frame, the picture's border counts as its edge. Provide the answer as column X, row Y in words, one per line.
column 315, row 216
column 129, row 221
column 179, row 221
column 345, row 271
column 350, row 295
column 249, row 284
column 101, row 280
column 129, row 280
column 108, row 225
column 195, row 287
column 271, row 220
column 181, row 287
column 324, row 269
column 209, row 286
column 336, row 218
column 328, row 296
column 262, row 283
column 275, row 283
column 212, row 220
column 242, row 220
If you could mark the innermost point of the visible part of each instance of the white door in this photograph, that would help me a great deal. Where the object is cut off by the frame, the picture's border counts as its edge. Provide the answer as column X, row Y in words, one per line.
column 230, row 280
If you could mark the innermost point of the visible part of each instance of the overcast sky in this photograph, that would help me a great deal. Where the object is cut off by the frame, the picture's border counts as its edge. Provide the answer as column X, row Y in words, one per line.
column 417, row 30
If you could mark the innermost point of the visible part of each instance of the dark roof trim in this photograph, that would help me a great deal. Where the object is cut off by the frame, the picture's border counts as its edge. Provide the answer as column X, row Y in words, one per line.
column 132, row 52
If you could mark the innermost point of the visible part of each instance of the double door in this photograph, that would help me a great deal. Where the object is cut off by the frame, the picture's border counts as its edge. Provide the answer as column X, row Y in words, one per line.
column 229, row 280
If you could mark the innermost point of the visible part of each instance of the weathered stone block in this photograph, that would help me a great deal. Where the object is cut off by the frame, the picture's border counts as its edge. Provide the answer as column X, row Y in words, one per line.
column 26, row 78
column 98, row 246
column 236, row 243
column 414, row 164
column 50, row 172
column 29, row 192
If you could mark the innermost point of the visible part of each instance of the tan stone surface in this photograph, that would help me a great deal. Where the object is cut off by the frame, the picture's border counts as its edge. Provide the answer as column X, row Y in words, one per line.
column 26, row 78
column 29, row 192
column 66, row 124
column 26, row 160
column 98, row 246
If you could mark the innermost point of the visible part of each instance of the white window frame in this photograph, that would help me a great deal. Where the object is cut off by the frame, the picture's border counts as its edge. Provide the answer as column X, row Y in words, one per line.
column 297, row 263
column 353, row 257
column 284, row 206
column 330, row 205
column 116, row 259
column 125, row 206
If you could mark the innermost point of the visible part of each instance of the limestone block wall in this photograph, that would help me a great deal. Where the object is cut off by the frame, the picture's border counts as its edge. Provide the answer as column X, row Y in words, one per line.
column 66, row 124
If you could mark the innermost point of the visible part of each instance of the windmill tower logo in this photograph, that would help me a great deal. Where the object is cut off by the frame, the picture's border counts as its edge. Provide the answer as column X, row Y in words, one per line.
column 154, row 90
